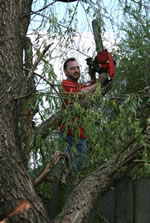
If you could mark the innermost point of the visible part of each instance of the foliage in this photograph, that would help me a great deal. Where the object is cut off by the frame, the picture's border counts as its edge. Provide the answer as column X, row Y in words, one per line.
column 111, row 122
column 132, row 56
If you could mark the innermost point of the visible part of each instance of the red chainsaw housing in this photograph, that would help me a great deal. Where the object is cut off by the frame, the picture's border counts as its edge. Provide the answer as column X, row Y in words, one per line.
column 106, row 60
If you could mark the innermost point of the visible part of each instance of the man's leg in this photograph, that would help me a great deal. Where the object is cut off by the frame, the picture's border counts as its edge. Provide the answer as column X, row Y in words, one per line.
column 77, row 156
column 80, row 155
column 70, row 142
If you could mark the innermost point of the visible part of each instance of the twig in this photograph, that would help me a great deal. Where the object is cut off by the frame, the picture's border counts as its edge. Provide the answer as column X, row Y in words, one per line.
column 79, row 51
column 101, row 216
column 145, row 6
column 31, row 73
column 45, row 7
column 52, row 85
column 35, row 12
column 138, row 161
column 57, row 156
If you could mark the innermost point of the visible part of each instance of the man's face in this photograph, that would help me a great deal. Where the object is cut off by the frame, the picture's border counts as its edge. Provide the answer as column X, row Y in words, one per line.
column 72, row 71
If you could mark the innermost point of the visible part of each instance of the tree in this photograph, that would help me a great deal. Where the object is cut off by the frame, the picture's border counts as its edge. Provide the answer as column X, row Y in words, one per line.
column 18, row 107
column 133, row 48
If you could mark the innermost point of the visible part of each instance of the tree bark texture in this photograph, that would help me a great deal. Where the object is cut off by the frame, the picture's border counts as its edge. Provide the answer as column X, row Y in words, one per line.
column 83, row 197
column 15, row 184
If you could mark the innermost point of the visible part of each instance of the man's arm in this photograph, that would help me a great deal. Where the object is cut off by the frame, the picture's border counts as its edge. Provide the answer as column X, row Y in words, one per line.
column 90, row 88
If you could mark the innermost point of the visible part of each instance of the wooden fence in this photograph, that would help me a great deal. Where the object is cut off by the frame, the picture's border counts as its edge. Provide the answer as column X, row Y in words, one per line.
column 128, row 202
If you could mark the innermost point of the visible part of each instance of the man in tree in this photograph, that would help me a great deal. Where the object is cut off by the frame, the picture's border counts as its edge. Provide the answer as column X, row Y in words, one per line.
column 74, row 128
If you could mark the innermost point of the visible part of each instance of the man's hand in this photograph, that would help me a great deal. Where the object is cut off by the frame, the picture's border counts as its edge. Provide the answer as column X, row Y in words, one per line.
column 107, row 87
column 102, row 79
column 105, row 83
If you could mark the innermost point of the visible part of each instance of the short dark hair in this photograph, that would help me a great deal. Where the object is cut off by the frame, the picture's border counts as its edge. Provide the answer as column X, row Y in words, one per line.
column 71, row 59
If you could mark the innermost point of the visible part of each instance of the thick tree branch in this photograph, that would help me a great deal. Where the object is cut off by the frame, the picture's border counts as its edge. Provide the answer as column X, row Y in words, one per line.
column 83, row 197
column 96, row 25
column 50, row 124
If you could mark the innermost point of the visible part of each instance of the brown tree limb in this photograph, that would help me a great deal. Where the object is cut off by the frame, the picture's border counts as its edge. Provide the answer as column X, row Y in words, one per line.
column 23, row 206
column 95, row 186
column 96, row 25
column 31, row 73
column 83, row 197
column 50, row 124
column 57, row 156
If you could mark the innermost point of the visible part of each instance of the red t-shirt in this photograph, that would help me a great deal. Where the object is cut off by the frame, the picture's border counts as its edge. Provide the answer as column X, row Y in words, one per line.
column 70, row 86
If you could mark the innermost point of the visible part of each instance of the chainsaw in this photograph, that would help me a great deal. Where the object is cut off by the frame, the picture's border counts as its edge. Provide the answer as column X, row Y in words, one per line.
column 102, row 63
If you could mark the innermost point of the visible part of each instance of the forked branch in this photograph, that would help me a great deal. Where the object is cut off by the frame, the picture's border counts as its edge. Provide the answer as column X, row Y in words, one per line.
column 57, row 156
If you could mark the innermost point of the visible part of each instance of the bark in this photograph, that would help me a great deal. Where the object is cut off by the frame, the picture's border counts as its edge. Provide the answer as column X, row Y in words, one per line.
column 96, row 25
column 50, row 124
column 83, row 197
column 15, row 184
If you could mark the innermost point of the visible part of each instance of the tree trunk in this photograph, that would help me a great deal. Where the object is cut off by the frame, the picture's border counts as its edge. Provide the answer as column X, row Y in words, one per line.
column 15, row 184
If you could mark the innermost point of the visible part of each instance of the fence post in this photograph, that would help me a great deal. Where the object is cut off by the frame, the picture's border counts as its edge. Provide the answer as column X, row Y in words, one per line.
column 124, row 201
column 142, row 201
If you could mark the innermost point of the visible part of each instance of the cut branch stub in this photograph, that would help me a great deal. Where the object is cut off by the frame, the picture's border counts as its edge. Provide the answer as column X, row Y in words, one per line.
column 97, row 34
column 23, row 206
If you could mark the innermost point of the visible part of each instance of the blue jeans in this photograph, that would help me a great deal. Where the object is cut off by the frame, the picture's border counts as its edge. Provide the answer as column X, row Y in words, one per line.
column 77, row 156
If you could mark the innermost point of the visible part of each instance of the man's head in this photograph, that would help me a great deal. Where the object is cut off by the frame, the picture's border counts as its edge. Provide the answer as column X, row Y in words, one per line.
column 72, row 69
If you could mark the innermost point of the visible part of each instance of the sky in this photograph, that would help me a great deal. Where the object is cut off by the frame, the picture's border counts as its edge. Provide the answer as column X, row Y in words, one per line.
column 60, row 8
column 84, row 40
